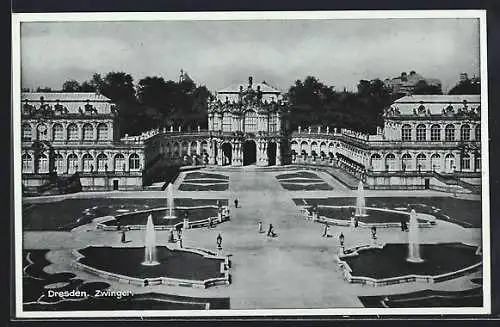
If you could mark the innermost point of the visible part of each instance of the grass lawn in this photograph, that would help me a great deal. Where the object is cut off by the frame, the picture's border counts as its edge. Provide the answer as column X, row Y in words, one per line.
column 68, row 214
column 466, row 213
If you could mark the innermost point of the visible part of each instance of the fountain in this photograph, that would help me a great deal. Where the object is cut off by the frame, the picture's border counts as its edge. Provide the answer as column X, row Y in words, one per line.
column 150, row 244
column 413, row 242
column 170, row 202
column 360, row 202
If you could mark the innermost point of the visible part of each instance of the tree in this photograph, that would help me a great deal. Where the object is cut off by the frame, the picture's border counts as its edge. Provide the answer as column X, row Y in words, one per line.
column 44, row 89
column 87, row 86
column 422, row 87
column 309, row 100
column 118, row 86
column 313, row 103
column 467, row 86
column 71, row 86
column 151, row 91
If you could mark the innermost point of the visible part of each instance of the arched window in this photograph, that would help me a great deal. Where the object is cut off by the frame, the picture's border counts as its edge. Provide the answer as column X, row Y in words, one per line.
column 436, row 162
column 176, row 149
column 435, row 132
column 194, row 148
column 26, row 133
column 59, row 163
column 43, row 163
column 273, row 122
column 134, row 162
column 102, row 162
column 87, row 161
column 390, row 162
column 72, row 163
column 421, row 162
column 102, row 132
column 295, row 146
column 251, row 121
column 227, row 122
column 376, row 162
column 216, row 122
column 406, row 133
column 42, row 132
column 57, row 132
column 465, row 132
column 331, row 147
column 406, row 162
column 166, row 148
column 322, row 147
column 421, row 132
column 88, row 132
column 465, row 162
column 477, row 133
column 314, row 148
column 119, row 163
column 27, row 163
column 477, row 162
column 204, row 146
column 72, row 132
column 449, row 163
column 185, row 146
column 449, row 132
column 304, row 147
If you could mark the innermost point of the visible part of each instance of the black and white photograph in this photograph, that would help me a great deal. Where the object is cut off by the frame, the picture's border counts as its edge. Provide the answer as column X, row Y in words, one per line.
column 251, row 164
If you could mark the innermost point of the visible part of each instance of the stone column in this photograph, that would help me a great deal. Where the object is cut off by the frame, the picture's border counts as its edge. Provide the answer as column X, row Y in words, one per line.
column 211, row 158
column 219, row 154
column 278, row 153
column 198, row 148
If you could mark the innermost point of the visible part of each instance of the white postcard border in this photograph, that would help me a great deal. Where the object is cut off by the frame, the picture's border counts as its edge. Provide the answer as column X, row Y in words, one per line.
column 18, row 18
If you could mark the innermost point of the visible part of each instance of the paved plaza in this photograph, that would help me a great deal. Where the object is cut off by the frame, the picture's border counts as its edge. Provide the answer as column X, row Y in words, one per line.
column 294, row 270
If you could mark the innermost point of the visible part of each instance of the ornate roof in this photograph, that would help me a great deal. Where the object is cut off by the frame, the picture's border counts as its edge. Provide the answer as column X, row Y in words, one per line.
column 426, row 105
column 71, row 102
column 242, row 97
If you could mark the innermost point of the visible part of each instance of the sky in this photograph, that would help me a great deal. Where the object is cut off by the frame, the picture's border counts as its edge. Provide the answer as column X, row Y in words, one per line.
column 219, row 53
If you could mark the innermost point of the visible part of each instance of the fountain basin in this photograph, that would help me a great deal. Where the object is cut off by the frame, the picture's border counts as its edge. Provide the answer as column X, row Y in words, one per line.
column 179, row 267
column 374, row 217
column 198, row 216
column 387, row 264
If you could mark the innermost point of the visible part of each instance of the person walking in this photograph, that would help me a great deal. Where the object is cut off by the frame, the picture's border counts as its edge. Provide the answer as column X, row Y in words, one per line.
column 270, row 231
column 236, row 203
column 325, row 231
column 260, row 227
column 219, row 242
column 124, row 237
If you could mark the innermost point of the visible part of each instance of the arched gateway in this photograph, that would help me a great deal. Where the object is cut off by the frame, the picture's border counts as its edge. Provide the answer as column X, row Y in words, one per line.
column 244, row 121
column 227, row 152
column 249, row 153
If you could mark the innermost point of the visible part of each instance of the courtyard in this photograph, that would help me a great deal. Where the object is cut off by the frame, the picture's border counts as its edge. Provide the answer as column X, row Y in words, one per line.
column 296, row 269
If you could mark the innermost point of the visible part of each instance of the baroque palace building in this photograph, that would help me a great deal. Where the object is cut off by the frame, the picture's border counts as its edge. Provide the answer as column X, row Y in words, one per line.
column 64, row 134
column 427, row 141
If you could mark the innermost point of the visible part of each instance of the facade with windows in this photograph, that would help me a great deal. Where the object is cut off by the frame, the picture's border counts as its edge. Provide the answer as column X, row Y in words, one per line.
column 244, row 128
column 426, row 139
column 67, row 133
column 244, row 125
